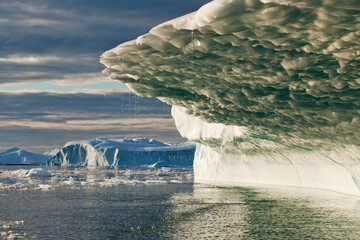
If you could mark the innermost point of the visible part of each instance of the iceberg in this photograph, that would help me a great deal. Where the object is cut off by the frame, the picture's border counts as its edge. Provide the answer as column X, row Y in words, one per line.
column 124, row 152
column 269, row 90
column 16, row 156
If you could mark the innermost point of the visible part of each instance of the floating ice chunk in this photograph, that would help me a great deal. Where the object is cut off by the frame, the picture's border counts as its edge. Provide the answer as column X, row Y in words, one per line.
column 21, row 180
column 34, row 172
column 160, row 164
column 19, row 173
column 156, row 182
column 11, row 230
column 45, row 187
column 38, row 172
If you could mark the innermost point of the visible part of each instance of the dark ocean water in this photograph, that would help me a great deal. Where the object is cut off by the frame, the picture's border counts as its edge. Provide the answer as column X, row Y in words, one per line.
column 173, row 211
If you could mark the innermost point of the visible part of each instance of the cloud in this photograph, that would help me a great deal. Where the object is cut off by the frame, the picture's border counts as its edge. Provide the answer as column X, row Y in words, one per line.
column 29, row 59
column 52, row 118
column 59, row 43
column 21, row 68
column 50, row 39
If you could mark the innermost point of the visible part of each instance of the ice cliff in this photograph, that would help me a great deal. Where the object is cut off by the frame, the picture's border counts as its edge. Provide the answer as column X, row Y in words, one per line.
column 123, row 152
column 269, row 89
column 17, row 156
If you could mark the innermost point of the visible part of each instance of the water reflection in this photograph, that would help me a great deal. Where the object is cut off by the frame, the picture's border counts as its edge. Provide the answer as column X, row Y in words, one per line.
column 146, row 203
column 259, row 213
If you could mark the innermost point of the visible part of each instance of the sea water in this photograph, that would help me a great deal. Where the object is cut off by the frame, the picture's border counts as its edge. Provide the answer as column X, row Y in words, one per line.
column 149, row 203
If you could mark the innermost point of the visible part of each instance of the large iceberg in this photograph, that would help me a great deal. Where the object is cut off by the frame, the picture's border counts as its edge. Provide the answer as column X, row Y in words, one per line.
column 269, row 89
column 17, row 156
column 124, row 152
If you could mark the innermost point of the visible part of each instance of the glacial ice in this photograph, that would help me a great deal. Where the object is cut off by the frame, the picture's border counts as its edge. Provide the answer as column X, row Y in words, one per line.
column 18, row 156
column 269, row 89
column 123, row 152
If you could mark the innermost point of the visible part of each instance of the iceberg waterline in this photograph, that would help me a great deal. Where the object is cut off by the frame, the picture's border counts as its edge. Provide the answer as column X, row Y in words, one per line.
column 270, row 89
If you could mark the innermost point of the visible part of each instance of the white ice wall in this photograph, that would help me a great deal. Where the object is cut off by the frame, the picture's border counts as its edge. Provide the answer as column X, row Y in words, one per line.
column 297, row 169
column 336, row 170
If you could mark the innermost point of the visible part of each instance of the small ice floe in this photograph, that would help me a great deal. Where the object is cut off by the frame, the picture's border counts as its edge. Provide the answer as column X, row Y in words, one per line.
column 34, row 172
column 9, row 230
column 19, row 173
column 44, row 179
column 70, row 181
column 163, row 173
column 160, row 164
column 128, row 172
column 38, row 172
column 12, row 235
column 115, row 181
column 7, row 225
column 45, row 187
column 174, row 169
column 153, row 181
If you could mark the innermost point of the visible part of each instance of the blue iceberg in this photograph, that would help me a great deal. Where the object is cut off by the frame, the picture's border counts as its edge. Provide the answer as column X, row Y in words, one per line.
column 124, row 152
column 17, row 156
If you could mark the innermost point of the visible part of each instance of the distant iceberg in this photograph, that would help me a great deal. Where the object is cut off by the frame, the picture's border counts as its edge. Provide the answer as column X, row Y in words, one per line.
column 124, row 152
column 16, row 156
column 270, row 90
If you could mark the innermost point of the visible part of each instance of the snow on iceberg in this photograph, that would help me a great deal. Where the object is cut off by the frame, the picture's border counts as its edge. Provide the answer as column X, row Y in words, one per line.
column 270, row 89
column 123, row 152
column 51, row 152
column 16, row 156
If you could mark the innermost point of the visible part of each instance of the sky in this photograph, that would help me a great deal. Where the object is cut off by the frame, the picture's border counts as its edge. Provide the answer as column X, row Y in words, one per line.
column 51, row 86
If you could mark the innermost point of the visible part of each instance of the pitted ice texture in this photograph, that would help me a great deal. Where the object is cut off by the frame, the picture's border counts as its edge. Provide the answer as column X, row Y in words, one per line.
column 288, row 69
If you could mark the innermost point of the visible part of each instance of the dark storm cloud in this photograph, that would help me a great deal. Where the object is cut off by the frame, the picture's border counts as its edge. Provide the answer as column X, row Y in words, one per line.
column 41, row 120
column 75, row 32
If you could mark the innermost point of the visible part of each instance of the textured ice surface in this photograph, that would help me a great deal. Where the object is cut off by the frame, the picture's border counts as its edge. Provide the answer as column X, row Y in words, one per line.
column 282, row 68
column 274, row 84
column 123, row 152
column 18, row 156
